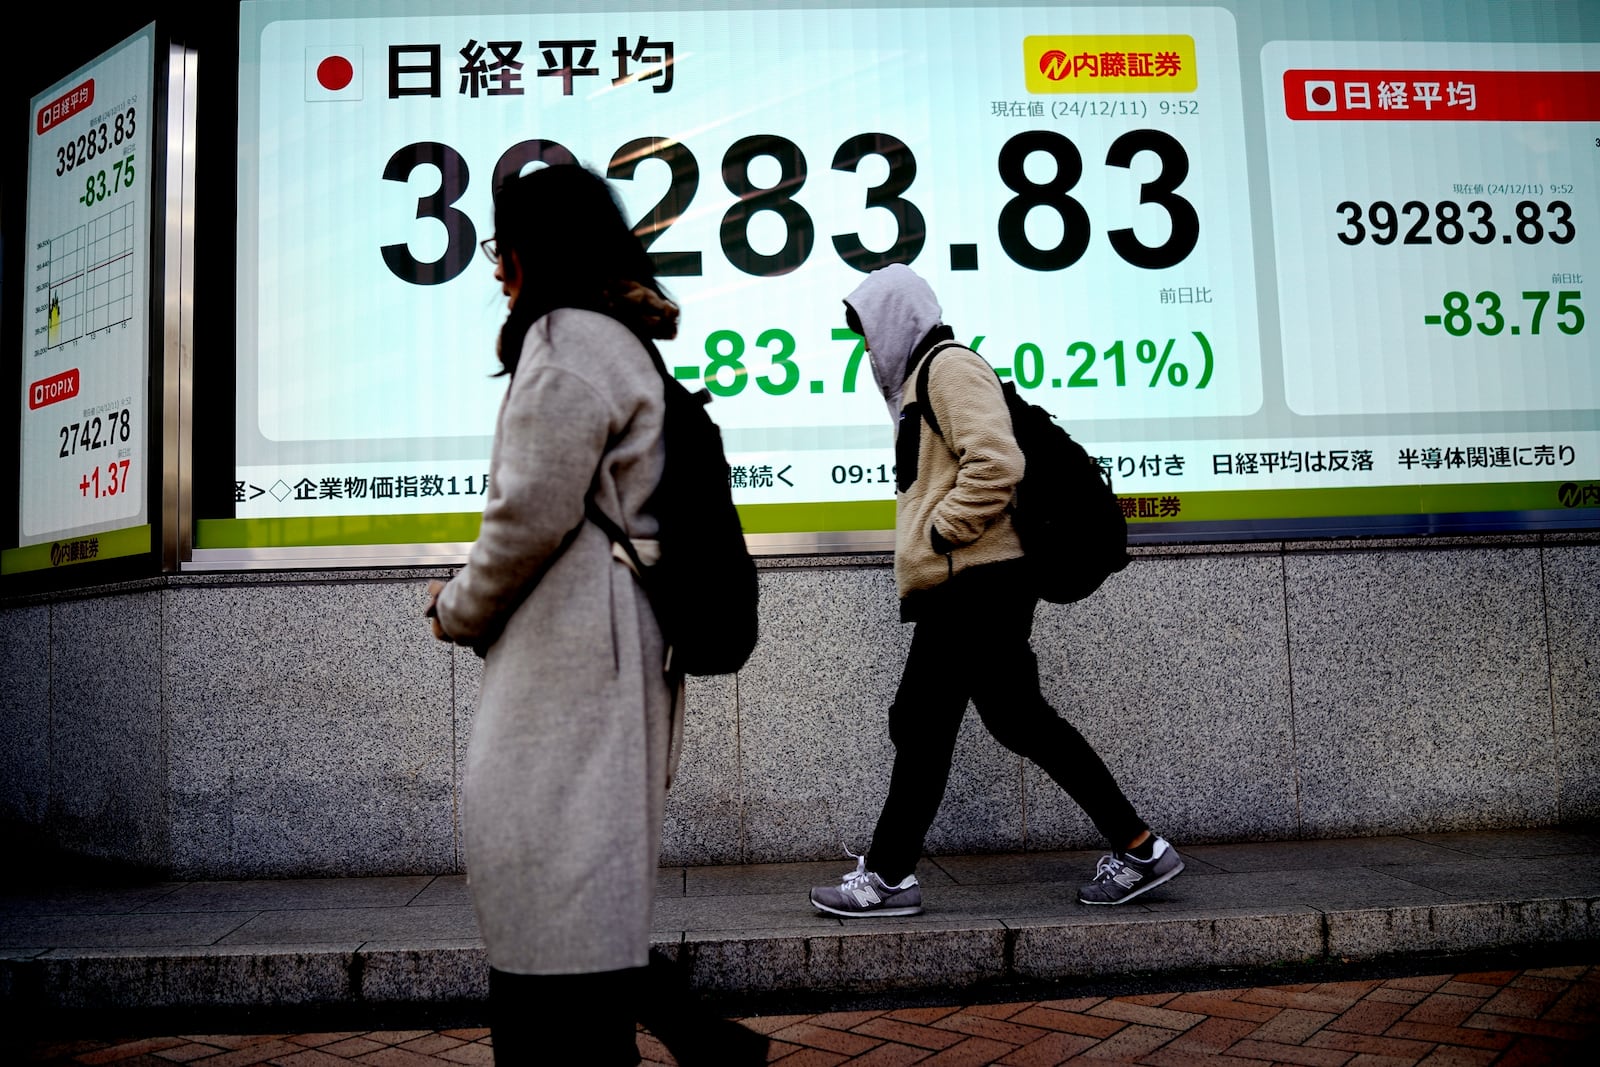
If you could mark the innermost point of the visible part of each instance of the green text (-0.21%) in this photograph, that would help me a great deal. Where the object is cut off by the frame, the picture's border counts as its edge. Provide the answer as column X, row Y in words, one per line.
column 1163, row 370
column 1492, row 316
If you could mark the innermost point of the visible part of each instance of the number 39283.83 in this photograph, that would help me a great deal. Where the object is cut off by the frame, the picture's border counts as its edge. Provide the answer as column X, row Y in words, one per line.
column 799, row 228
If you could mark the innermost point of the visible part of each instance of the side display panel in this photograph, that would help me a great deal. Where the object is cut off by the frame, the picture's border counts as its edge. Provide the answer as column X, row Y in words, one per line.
column 1118, row 206
column 84, row 460
column 1435, row 213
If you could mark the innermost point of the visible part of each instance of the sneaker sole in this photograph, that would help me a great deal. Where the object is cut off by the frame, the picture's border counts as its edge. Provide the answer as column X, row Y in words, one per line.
column 884, row 912
column 1163, row 880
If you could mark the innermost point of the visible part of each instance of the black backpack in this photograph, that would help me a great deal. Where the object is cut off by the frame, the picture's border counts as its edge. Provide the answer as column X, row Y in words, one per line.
column 703, row 589
column 1071, row 524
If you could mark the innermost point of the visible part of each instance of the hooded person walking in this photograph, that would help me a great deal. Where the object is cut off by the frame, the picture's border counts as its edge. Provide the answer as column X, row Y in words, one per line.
column 962, row 580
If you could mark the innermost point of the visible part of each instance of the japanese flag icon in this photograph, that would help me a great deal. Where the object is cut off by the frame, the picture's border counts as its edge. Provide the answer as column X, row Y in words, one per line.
column 1321, row 96
column 333, row 73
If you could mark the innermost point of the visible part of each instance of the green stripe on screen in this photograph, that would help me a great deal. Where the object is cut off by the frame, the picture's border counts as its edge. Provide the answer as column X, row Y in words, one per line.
column 111, row 544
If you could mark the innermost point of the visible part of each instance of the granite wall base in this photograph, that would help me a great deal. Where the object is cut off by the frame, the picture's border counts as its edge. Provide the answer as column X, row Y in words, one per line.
column 274, row 725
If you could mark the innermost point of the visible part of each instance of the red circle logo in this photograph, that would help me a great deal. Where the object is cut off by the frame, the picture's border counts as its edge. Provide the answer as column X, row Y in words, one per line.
column 1321, row 96
column 1055, row 65
column 334, row 73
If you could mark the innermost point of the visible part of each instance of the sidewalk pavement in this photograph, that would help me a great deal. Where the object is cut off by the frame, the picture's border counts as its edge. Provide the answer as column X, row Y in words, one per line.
column 994, row 924
column 1499, row 1017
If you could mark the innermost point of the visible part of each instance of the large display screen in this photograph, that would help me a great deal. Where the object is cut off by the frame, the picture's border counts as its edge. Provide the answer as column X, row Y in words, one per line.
column 1273, row 264
column 85, row 326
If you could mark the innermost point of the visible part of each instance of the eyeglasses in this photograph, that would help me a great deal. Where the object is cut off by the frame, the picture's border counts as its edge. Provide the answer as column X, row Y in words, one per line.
column 491, row 248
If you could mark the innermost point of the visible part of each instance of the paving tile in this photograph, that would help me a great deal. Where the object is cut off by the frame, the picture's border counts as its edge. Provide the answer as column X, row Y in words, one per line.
column 813, row 1057
column 1068, row 1022
column 1134, row 1041
column 1469, row 989
column 1451, row 1035
column 922, row 1016
column 1368, row 1017
column 470, row 1055
column 310, row 1057
column 430, row 1044
column 1580, row 1004
column 908, row 1033
column 397, row 1037
column 188, row 1051
column 306, row 926
column 1455, row 1056
column 973, row 1052
column 1313, row 855
column 1207, row 1004
column 1293, row 1025
column 813, row 1036
column 291, row 894
column 994, row 1011
column 1149, row 1000
column 1536, row 1027
column 1444, row 1009
column 1536, row 1052
column 83, row 899
column 1494, row 978
column 1149, row 1016
column 135, row 930
column 351, row 1047
column 1426, row 983
column 320, row 1039
column 232, row 1040
column 890, row 1056
column 1567, row 974
column 1171, row 1056
column 844, row 1020
column 254, row 1053
column 1516, row 845
column 1071, row 1004
column 976, row 1025
column 1280, row 1053
column 1374, row 1044
column 1301, row 1000
column 1049, row 1050
column 1388, row 994
column 393, row 1056
column 1527, row 1003
column 127, row 1050
column 1213, row 1036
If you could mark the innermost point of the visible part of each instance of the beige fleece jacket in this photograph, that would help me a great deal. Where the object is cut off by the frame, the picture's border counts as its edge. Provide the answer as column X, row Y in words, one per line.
column 965, row 478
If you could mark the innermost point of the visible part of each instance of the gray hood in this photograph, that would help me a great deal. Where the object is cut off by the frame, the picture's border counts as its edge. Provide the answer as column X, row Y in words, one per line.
column 897, row 309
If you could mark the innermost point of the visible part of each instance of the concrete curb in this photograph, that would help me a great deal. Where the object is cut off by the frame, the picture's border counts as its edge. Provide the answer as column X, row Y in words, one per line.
column 879, row 957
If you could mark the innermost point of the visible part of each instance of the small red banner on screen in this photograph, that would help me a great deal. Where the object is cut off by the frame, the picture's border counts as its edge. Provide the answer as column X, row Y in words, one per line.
column 63, row 386
column 65, row 106
column 1442, row 95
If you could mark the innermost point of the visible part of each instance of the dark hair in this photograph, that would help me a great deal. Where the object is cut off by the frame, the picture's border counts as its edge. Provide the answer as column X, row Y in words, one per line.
column 575, row 249
column 852, row 321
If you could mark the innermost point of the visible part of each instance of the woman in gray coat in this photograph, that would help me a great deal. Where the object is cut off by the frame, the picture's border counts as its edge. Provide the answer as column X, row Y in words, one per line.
column 567, row 767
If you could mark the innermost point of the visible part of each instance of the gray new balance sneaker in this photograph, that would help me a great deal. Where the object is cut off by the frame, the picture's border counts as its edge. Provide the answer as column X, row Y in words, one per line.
column 1120, row 877
column 862, row 892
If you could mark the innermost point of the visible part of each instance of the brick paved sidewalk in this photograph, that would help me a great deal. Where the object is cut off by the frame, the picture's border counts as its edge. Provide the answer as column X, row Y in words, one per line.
column 1546, row 1015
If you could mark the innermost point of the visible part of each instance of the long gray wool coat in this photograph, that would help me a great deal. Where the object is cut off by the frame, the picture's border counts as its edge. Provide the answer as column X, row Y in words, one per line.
column 567, row 765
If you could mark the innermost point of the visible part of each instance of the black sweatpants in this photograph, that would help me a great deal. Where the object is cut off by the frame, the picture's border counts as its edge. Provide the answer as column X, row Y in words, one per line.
column 971, row 642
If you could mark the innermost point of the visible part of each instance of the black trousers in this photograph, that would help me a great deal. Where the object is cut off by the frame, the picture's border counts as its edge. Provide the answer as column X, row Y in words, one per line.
column 971, row 643
column 555, row 1019
column 588, row 1019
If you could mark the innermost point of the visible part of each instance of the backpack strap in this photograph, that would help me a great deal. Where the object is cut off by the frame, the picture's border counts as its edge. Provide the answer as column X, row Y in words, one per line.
column 619, row 536
column 922, row 383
